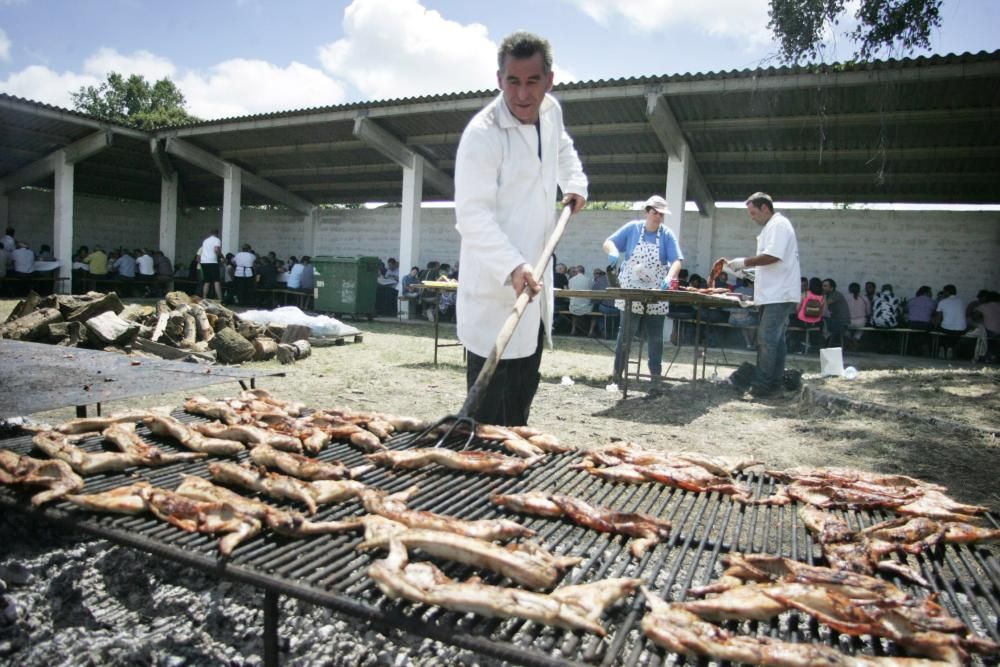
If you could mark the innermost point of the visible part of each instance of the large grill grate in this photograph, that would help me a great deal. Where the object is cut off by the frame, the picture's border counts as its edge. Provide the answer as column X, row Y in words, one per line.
column 328, row 570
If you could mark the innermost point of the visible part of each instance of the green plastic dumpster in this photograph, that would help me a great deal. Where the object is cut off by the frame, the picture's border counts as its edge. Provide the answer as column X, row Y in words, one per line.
column 346, row 285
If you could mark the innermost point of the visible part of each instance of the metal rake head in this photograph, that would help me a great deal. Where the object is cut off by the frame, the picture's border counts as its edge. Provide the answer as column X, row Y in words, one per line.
column 450, row 431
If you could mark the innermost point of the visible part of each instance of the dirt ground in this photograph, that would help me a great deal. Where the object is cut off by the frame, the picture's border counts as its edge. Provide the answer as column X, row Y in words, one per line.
column 392, row 370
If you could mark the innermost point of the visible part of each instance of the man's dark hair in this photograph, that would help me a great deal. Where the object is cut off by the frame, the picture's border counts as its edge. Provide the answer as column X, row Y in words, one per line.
column 924, row 289
column 950, row 289
column 760, row 200
column 854, row 289
column 833, row 283
column 523, row 44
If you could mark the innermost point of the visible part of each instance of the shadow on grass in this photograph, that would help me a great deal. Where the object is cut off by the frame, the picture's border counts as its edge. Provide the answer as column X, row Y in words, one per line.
column 678, row 404
column 967, row 466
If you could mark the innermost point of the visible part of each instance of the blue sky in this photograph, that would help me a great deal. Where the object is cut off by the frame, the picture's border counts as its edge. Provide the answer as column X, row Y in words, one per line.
column 237, row 57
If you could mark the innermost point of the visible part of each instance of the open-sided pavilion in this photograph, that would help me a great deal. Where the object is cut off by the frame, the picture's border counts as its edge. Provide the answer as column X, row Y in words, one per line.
column 919, row 130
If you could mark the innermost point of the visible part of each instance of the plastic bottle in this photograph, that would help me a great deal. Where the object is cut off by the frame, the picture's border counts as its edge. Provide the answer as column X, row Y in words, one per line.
column 850, row 373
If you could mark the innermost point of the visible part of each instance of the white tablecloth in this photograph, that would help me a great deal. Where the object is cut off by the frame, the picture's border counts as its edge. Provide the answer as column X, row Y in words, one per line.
column 47, row 266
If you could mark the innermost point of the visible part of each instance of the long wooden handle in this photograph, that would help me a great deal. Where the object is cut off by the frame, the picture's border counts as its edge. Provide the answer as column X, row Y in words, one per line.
column 507, row 330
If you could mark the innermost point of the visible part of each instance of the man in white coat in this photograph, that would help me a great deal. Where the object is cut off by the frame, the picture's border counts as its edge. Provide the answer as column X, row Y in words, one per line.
column 512, row 156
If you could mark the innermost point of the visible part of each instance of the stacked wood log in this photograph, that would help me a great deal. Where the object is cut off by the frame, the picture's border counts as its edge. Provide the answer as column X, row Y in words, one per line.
column 179, row 326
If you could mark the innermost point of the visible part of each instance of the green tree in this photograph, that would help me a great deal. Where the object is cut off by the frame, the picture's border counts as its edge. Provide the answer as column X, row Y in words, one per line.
column 887, row 26
column 133, row 101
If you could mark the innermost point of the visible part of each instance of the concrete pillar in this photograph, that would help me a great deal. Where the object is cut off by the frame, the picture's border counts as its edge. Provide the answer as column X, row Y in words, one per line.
column 676, row 194
column 309, row 223
column 409, row 232
column 168, row 217
column 231, row 191
column 62, row 224
column 706, row 254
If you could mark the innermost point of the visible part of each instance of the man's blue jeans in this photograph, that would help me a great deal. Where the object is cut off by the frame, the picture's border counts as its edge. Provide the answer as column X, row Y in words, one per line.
column 771, row 345
column 653, row 325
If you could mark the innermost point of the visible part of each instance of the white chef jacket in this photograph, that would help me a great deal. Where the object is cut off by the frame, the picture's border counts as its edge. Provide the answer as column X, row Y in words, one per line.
column 505, row 207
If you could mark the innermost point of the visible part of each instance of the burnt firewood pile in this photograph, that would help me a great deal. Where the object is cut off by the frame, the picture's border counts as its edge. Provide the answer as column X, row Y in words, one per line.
column 522, row 547
column 178, row 327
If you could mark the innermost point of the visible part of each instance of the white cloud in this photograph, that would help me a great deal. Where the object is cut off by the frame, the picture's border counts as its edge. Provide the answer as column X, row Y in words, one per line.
column 398, row 48
column 4, row 46
column 239, row 87
column 41, row 84
column 144, row 63
column 725, row 18
column 231, row 88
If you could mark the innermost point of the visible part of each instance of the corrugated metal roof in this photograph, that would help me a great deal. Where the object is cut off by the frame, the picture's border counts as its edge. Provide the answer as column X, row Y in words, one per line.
column 910, row 130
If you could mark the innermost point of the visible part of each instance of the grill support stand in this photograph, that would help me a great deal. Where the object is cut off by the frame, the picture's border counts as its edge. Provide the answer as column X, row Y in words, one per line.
column 270, row 628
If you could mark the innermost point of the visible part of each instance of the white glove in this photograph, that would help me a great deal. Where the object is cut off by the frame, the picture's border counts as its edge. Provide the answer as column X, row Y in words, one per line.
column 737, row 264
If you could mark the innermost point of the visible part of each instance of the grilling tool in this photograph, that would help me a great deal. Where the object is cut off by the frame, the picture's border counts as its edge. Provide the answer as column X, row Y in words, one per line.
column 458, row 423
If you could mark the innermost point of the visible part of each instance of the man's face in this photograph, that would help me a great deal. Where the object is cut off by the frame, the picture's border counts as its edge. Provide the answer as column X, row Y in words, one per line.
column 760, row 214
column 827, row 287
column 524, row 83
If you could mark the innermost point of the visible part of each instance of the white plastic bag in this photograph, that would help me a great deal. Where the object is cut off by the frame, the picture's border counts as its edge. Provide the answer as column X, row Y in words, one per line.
column 831, row 361
column 320, row 325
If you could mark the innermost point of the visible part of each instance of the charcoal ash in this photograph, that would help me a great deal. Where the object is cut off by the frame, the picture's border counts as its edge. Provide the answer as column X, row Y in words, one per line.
column 72, row 599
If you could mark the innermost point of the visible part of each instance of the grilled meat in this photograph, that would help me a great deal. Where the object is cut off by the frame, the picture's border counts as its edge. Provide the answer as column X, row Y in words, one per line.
column 312, row 439
column 848, row 477
column 285, row 522
column 763, row 568
column 571, row 607
column 197, row 516
column 826, row 528
column 394, row 507
column 864, row 551
column 250, row 435
column 384, row 422
column 124, row 499
column 303, row 467
column 649, row 530
column 167, row 426
column 345, row 431
column 292, row 408
column 515, row 438
column 527, row 564
column 830, row 488
column 473, row 461
column 523, row 448
column 328, row 491
column 934, row 504
column 546, row 441
column 221, row 410
column 723, row 466
column 717, row 268
column 92, row 424
column 690, row 477
column 124, row 437
column 271, row 484
column 59, row 446
column 681, row 631
column 57, row 477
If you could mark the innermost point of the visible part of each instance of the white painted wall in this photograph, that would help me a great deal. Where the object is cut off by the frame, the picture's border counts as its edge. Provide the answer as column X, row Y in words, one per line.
column 905, row 248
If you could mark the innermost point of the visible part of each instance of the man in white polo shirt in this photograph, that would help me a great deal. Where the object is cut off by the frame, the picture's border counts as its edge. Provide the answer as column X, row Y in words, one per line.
column 776, row 290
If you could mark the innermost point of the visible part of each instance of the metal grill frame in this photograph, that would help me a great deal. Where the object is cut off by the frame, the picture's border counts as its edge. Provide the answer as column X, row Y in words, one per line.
column 328, row 571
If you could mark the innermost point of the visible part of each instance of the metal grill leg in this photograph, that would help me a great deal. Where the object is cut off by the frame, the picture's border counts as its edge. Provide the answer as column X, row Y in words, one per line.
column 270, row 629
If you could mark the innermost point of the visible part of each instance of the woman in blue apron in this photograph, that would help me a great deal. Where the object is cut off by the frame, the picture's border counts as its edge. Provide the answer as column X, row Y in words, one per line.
column 650, row 258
